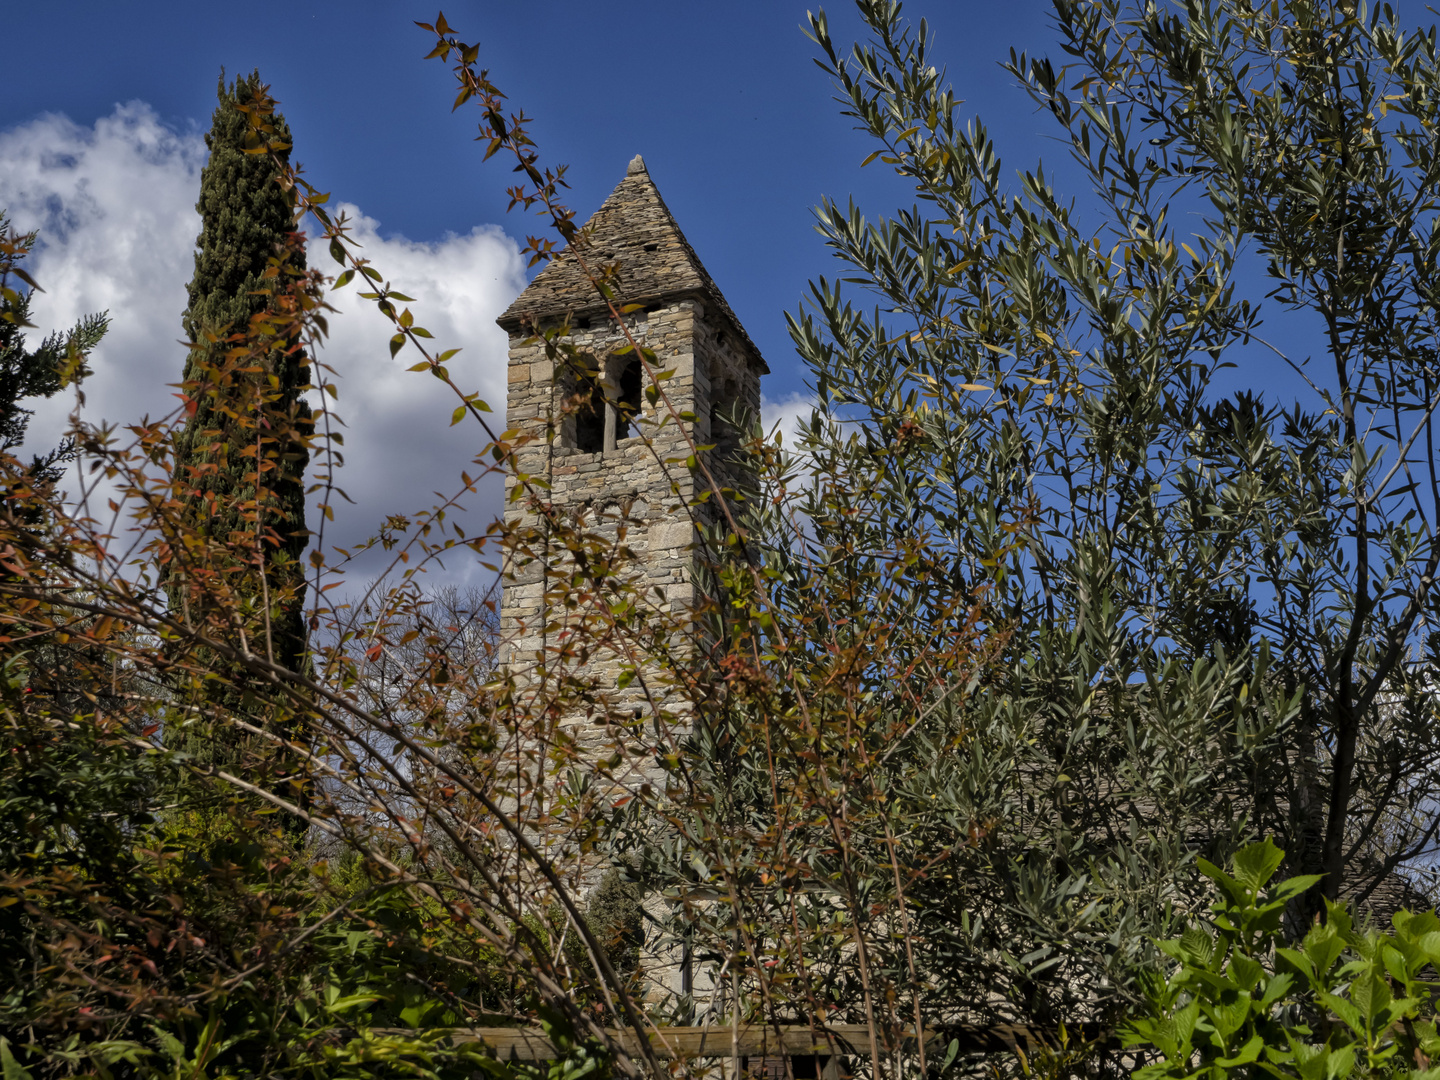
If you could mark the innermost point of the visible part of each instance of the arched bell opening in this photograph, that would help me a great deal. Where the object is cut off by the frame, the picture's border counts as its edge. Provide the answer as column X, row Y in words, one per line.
column 628, row 380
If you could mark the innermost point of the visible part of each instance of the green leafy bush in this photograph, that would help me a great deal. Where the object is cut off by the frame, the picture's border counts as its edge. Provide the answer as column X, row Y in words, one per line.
column 1344, row 1001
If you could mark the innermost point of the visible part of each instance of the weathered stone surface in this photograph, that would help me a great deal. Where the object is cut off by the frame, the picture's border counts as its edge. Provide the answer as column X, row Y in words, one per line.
column 671, row 535
column 714, row 372
column 634, row 229
column 642, row 496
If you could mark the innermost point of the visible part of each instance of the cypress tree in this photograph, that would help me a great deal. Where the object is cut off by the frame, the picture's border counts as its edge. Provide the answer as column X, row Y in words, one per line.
column 244, row 380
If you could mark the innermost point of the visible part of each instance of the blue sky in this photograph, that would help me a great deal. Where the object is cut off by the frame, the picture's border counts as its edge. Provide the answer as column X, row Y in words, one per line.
column 101, row 148
column 723, row 100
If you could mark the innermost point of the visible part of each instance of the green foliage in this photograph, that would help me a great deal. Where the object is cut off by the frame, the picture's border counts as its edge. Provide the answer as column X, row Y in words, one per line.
column 165, row 924
column 615, row 917
column 244, row 213
column 240, row 459
column 70, row 799
column 91, row 928
column 1033, row 617
column 248, row 251
column 142, row 942
column 1213, row 608
column 44, row 372
column 1343, row 1001
column 161, row 923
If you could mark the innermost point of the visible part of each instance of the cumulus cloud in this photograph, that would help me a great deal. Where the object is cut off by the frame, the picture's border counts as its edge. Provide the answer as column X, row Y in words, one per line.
column 115, row 206
column 790, row 413
column 399, row 447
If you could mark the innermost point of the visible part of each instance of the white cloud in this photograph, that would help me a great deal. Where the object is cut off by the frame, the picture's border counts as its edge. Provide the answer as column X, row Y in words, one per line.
column 791, row 413
column 399, row 447
column 115, row 206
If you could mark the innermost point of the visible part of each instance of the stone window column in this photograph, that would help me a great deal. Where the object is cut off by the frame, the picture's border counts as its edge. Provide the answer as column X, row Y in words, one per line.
column 622, row 389
column 611, row 417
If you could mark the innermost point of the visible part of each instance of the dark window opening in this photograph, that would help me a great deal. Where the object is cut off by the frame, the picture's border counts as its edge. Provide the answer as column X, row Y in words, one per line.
column 590, row 428
column 604, row 408
column 589, row 413
column 723, row 433
column 628, row 399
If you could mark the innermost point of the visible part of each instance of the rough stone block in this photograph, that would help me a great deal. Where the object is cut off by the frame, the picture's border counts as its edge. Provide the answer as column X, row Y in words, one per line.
column 670, row 535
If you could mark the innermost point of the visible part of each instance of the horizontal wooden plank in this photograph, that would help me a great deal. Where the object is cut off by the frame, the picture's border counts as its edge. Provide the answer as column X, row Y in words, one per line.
column 530, row 1044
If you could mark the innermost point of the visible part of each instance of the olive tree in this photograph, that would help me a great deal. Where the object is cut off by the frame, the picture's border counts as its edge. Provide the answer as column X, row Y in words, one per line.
column 1218, row 607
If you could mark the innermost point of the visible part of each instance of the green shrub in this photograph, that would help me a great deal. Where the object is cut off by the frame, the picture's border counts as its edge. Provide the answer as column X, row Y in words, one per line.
column 1344, row 1001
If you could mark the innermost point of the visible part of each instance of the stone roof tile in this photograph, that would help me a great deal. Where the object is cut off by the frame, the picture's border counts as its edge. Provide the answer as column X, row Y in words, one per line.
column 635, row 229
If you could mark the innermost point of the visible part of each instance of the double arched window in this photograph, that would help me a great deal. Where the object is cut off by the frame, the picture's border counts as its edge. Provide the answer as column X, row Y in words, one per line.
column 610, row 402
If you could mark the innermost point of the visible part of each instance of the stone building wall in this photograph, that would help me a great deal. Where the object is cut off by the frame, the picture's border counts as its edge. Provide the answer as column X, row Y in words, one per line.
column 633, row 488
column 630, row 485
column 646, row 490
column 726, row 389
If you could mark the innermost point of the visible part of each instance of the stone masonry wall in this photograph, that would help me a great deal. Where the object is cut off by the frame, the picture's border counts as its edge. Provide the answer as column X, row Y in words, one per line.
column 601, row 484
column 641, row 492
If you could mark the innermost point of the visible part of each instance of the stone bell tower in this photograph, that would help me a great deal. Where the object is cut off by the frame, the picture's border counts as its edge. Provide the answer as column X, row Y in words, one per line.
column 617, row 467
column 613, row 463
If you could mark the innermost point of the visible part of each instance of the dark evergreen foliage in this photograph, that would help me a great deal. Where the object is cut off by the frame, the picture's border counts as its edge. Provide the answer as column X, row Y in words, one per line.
column 243, row 381
column 614, row 914
column 24, row 374
column 245, row 218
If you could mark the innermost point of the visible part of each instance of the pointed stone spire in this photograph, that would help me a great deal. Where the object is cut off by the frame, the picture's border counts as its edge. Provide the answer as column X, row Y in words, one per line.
column 635, row 229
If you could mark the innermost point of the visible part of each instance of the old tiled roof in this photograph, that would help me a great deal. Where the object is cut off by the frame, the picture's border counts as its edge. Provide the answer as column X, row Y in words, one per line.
column 633, row 228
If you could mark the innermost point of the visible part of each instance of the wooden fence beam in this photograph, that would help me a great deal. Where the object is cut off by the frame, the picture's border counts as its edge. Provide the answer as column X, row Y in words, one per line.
column 530, row 1043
